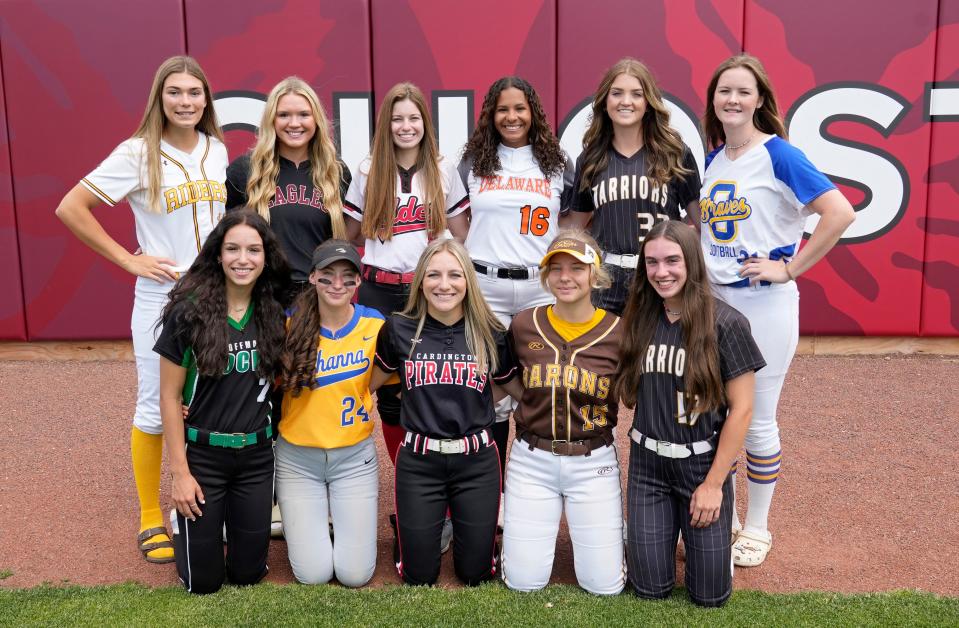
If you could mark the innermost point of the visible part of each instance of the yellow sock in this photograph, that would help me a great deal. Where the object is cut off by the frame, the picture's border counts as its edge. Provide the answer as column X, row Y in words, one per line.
column 147, row 453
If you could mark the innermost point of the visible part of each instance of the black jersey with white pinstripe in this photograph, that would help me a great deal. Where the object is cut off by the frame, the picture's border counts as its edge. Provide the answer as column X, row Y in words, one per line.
column 626, row 202
column 662, row 408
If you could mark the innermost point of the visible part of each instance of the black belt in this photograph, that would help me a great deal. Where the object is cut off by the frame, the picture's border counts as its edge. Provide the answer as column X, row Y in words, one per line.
column 566, row 447
column 503, row 273
column 236, row 440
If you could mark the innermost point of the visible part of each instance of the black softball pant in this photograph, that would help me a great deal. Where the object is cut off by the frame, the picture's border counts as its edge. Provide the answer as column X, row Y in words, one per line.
column 238, row 489
column 386, row 299
column 469, row 485
column 613, row 299
column 658, row 493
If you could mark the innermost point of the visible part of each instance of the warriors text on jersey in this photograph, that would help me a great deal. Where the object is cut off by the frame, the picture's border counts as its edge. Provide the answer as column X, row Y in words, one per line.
column 626, row 202
column 237, row 401
column 335, row 410
column 297, row 213
column 662, row 408
column 445, row 395
column 515, row 213
column 567, row 383
column 755, row 206
column 400, row 253
column 193, row 195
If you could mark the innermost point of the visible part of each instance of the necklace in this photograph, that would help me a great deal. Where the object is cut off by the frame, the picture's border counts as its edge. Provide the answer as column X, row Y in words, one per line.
column 738, row 146
column 672, row 312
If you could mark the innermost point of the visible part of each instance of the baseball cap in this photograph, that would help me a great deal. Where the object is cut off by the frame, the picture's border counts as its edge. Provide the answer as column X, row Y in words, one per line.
column 334, row 251
column 573, row 246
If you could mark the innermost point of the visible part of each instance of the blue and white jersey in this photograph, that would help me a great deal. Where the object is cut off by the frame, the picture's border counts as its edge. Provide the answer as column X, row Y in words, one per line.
column 755, row 206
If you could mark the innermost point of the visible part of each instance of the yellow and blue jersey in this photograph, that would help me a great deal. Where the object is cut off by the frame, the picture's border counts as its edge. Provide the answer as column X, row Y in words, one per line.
column 335, row 410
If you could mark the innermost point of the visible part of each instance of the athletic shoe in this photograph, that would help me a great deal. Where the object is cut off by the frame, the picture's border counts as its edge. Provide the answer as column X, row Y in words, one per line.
column 276, row 523
column 446, row 539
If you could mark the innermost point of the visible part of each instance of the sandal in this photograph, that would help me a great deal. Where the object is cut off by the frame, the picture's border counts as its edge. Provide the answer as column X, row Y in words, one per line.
column 751, row 548
column 736, row 531
column 146, row 548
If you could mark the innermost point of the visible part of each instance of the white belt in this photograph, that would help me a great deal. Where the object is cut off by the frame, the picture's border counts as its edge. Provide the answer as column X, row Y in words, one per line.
column 670, row 450
column 464, row 445
column 623, row 261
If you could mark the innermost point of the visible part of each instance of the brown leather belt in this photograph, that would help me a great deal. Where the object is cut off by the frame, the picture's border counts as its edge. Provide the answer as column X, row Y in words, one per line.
column 566, row 447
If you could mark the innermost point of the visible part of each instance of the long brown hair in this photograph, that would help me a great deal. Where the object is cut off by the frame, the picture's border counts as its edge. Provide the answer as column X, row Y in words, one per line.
column 481, row 324
column 483, row 144
column 644, row 307
column 379, row 209
column 664, row 146
column 154, row 121
column 325, row 169
column 766, row 118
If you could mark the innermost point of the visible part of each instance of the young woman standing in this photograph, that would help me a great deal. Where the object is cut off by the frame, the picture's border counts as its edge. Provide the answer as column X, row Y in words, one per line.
column 219, row 354
column 687, row 366
column 172, row 173
column 634, row 171
column 757, row 193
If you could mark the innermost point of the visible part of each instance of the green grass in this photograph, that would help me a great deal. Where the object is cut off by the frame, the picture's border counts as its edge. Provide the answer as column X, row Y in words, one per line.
column 5, row 573
column 484, row 607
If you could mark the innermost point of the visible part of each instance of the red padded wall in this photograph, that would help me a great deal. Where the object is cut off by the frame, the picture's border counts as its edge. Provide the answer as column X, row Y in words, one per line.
column 12, row 325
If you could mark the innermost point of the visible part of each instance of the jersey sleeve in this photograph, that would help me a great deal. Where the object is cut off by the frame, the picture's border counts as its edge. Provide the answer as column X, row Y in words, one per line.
column 355, row 195
column 569, row 186
column 506, row 364
column 386, row 357
column 345, row 178
column 580, row 201
column 738, row 352
column 237, row 176
column 688, row 189
column 118, row 175
column 457, row 198
column 794, row 170
column 174, row 341
column 463, row 169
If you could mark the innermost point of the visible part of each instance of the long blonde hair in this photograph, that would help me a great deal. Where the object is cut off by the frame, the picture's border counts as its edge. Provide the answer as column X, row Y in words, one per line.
column 379, row 211
column 664, row 146
column 325, row 168
column 154, row 121
column 481, row 324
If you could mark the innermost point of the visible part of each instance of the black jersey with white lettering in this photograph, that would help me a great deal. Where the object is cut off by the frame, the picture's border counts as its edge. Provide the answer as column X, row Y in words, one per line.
column 661, row 405
column 444, row 394
column 297, row 213
column 626, row 202
column 236, row 401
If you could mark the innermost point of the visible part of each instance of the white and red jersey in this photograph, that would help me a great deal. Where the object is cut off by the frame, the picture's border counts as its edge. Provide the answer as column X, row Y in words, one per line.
column 192, row 194
column 410, row 225
column 515, row 212
column 755, row 206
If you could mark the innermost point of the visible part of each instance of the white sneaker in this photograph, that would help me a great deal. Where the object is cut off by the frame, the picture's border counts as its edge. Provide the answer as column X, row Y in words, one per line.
column 446, row 539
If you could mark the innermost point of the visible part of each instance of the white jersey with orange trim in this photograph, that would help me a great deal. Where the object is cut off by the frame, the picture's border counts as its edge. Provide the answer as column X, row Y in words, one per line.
column 193, row 194
column 400, row 253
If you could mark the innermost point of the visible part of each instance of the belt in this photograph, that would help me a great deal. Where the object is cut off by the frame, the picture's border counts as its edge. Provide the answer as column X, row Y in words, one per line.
column 420, row 443
column 629, row 260
column 378, row 275
column 232, row 441
column 507, row 273
column 566, row 447
column 671, row 450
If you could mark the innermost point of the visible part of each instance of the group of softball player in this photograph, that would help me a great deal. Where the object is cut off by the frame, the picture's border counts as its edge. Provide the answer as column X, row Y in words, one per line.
column 503, row 282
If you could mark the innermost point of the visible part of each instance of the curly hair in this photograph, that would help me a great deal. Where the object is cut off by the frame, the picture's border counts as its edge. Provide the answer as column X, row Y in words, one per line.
column 199, row 299
column 664, row 146
column 483, row 144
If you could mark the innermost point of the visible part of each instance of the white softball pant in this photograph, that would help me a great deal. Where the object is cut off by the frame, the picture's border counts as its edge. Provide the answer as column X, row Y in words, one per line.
column 149, row 297
column 539, row 486
column 311, row 484
column 507, row 298
column 773, row 313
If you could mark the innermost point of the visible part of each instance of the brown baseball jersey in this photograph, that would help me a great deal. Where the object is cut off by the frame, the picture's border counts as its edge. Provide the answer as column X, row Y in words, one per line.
column 567, row 384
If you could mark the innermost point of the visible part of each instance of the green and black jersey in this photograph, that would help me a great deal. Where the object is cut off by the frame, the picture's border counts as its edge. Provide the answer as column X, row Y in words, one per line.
column 237, row 401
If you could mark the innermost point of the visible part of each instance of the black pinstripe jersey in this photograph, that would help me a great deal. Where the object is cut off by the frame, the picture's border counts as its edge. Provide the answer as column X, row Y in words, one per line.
column 444, row 393
column 626, row 203
column 661, row 405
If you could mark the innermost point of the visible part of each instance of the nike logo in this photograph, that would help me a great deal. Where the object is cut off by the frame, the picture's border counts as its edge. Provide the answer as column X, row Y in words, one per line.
column 369, row 461
column 366, row 338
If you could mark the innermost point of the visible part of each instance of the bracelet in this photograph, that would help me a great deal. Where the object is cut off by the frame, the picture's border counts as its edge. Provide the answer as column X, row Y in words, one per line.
column 788, row 274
